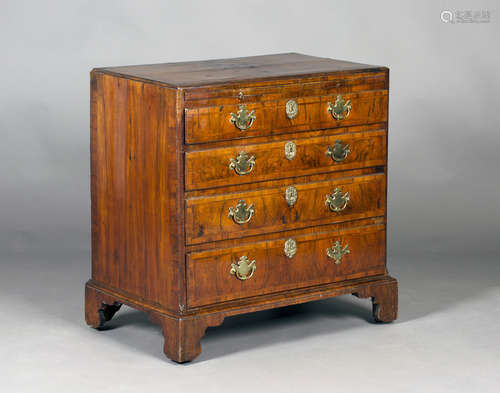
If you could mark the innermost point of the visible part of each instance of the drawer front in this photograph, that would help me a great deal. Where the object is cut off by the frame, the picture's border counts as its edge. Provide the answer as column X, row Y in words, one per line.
column 282, row 208
column 206, row 124
column 272, row 90
column 283, row 264
column 267, row 161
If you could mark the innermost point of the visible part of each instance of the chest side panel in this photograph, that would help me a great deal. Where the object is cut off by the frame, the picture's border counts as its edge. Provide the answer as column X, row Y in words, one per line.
column 135, row 189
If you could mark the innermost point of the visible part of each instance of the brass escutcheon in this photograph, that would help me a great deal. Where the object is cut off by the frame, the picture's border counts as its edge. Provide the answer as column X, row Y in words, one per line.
column 291, row 109
column 242, row 165
column 337, row 201
column 242, row 213
column 291, row 195
column 341, row 109
column 244, row 269
column 290, row 150
column 243, row 119
column 337, row 152
column 290, row 248
column 337, row 252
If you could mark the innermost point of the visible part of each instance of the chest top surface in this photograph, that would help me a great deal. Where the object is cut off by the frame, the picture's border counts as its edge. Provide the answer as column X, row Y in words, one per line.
column 223, row 71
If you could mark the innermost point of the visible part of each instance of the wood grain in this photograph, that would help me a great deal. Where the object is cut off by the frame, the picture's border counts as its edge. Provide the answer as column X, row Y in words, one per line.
column 183, row 334
column 136, row 245
column 207, row 217
column 238, row 70
column 213, row 95
column 384, row 300
column 229, row 243
column 205, row 124
column 209, row 279
column 210, row 168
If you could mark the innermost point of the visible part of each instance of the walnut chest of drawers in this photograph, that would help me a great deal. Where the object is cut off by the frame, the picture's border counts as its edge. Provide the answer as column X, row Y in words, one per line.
column 230, row 186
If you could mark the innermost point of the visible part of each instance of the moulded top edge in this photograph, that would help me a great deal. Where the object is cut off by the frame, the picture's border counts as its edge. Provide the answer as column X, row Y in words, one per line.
column 198, row 74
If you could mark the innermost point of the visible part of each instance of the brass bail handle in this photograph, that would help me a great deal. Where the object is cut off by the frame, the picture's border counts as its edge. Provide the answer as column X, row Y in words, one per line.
column 243, row 269
column 341, row 109
column 242, row 213
column 337, row 252
column 337, row 201
column 243, row 119
column 338, row 152
column 243, row 164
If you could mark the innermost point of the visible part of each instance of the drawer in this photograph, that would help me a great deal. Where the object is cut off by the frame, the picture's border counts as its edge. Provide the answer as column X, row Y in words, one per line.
column 301, row 156
column 206, row 124
column 283, row 264
column 282, row 208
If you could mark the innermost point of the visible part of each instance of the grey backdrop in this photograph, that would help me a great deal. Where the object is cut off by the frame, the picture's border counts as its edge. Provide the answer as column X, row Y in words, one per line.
column 444, row 103
column 444, row 144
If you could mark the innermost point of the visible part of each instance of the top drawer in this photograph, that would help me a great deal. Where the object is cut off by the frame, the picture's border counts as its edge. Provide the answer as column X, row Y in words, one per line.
column 225, row 122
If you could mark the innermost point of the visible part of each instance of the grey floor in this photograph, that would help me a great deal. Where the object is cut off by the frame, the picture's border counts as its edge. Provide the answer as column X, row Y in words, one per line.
column 447, row 338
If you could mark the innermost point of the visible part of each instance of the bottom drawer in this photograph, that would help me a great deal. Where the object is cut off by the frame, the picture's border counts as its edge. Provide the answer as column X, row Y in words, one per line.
column 276, row 265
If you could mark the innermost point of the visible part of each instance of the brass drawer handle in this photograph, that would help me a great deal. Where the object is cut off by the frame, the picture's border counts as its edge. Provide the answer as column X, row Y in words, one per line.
column 242, row 213
column 337, row 201
column 337, row 152
column 244, row 269
column 243, row 119
column 290, row 248
column 242, row 165
column 337, row 252
column 341, row 109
